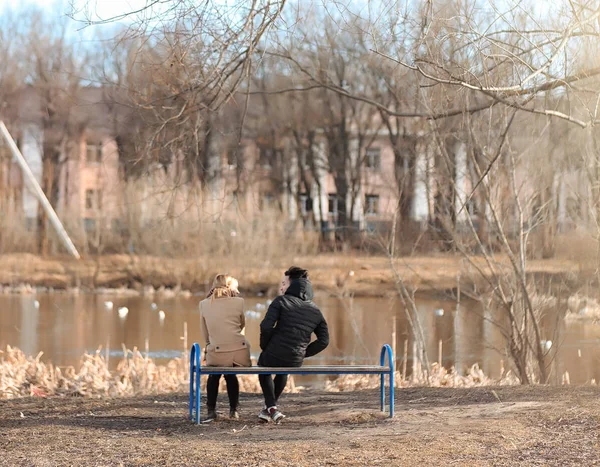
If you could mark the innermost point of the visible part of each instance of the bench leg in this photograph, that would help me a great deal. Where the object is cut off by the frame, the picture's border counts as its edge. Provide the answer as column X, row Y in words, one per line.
column 192, row 393
column 382, row 391
column 193, row 368
column 198, row 391
column 391, row 394
column 386, row 351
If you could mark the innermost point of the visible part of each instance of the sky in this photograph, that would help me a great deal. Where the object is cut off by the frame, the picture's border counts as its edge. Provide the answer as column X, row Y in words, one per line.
column 102, row 8
column 106, row 9
column 95, row 10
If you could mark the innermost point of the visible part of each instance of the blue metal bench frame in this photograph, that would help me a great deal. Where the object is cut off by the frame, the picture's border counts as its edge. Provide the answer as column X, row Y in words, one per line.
column 196, row 370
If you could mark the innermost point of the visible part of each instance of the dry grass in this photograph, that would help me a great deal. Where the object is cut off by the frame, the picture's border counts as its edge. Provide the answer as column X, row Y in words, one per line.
column 22, row 376
column 582, row 308
column 439, row 377
column 169, row 221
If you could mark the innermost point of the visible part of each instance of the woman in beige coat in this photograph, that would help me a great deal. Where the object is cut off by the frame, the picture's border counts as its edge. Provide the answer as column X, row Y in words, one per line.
column 222, row 323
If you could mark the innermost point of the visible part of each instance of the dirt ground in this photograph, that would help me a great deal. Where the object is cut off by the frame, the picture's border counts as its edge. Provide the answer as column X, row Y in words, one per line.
column 360, row 275
column 433, row 426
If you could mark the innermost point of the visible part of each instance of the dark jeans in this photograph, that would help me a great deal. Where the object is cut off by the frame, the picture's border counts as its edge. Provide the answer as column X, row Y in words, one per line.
column 272, row 388
column 212, row 390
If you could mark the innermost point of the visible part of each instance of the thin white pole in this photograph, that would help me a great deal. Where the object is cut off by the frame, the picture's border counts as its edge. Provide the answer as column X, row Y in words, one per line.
column 60, row 230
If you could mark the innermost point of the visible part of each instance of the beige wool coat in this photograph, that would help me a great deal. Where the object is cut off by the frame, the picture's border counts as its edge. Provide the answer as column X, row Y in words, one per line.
column 222, row 321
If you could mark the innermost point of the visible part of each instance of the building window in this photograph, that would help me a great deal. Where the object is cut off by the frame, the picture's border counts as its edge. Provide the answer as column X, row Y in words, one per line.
column 117, row 226
column 5, row 152
column 266, row 200
column 31, row 224
column 93, row 153
column 372, row 205
column 264, row 158
column 574, row 211
column 472, row 207
column 304, row 161
column 373, row 159
column 91, row 199
column 333, row 207
column 232, row 157
column 305, row 202
column 333, row 204
column 89, row 225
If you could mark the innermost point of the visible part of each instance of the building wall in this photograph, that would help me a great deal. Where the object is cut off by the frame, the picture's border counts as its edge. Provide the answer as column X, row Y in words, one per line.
column 160, row 197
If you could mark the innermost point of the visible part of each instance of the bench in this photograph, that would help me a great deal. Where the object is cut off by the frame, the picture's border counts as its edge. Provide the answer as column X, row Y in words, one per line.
column 196, row 370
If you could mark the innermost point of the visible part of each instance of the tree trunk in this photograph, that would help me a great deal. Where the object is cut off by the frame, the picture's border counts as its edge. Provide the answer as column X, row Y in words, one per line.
column 405, row 165
column 42, row 221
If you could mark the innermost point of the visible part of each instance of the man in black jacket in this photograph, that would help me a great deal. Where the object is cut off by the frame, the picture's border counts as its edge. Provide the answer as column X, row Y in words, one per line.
column 285, row 335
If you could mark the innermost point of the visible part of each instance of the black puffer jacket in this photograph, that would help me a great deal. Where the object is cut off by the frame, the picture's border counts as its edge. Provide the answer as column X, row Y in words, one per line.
column 287, row 328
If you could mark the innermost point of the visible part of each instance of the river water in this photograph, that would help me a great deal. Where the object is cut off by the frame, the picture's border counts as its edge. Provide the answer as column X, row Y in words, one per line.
column 64, row 326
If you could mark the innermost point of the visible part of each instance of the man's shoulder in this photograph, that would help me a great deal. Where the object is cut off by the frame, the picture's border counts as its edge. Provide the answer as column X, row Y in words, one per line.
column 305, row 304
column 278, row 300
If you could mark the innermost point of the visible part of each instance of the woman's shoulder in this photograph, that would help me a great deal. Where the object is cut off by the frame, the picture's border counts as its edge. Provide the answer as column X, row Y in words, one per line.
column 225, row 300
column 239, row 301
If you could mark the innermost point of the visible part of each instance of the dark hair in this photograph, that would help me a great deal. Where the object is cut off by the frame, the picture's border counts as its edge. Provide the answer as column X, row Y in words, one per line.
column 295, row 272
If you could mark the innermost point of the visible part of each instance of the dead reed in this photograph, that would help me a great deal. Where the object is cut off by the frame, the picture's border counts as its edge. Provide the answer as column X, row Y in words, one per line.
column 136, row 374
column 439, row 377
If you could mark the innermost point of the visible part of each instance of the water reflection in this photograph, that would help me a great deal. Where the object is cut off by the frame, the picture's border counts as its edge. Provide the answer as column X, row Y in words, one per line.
column 66, row 326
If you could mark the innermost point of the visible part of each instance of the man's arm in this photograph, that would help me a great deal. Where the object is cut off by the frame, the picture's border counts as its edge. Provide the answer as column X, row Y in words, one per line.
column 322, row 333
column 267, row 326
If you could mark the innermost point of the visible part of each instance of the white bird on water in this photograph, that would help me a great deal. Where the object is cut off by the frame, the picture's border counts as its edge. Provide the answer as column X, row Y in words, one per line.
column 154, row 306
column 108, row 305
column 123, row 311
column 36, row 304
column 547, row 345
column 439, row 312
column 161, row 316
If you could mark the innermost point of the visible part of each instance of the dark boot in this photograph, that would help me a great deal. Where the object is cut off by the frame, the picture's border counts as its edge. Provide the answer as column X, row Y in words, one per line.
column 233, row 413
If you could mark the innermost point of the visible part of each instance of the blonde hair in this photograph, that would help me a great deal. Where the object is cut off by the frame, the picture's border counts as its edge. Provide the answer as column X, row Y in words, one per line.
column 224, row 286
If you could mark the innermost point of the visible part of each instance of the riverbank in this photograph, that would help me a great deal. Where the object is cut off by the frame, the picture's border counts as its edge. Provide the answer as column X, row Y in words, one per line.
column 331, row 273
column 500, row 426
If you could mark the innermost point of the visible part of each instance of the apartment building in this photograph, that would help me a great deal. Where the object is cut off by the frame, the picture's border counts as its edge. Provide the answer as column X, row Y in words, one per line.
column 92, row 192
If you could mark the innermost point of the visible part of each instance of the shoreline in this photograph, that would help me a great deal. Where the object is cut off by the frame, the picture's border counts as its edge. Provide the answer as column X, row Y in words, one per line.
column 335, row 274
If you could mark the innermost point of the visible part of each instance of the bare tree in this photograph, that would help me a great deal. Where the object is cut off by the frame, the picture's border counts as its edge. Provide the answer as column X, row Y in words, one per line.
column 54, row 69
column 10, row 78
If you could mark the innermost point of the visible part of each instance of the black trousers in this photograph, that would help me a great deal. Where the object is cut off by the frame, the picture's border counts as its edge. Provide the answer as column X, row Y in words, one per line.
column 272, row 388
column 212, row 390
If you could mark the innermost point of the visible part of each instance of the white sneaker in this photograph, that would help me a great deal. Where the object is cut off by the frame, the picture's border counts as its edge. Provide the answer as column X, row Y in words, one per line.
column 264, row 415
column 275, row 414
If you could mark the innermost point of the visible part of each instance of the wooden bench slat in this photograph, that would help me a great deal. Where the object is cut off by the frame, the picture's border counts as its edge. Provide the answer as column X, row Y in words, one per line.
column 322, row 369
